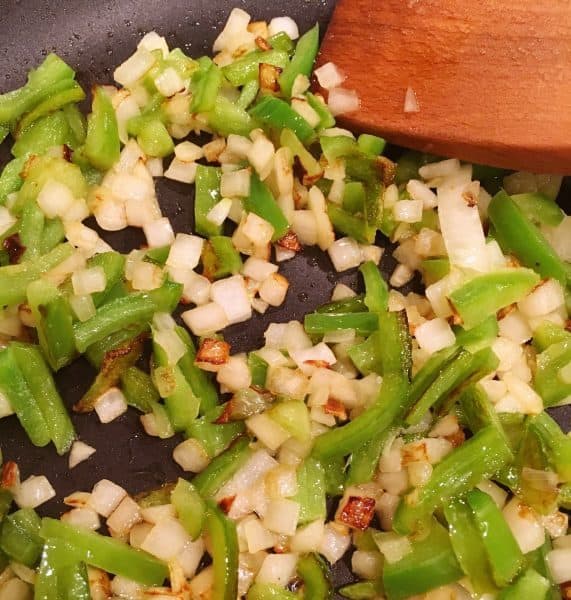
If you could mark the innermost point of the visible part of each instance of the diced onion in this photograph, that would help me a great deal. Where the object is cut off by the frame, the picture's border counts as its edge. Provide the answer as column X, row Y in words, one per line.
column 129, row 72
column 545, row 298
column 434, row 335
column 306, row 111
column 55, row 199
column 411, row 104
column 6, row 219
column 166, row 539
column 285, row 24
column 153, row 41
column 401, row 276
column 278, row 569
column 84, row 517
column 146, row 276
column 206, row 319
column 80, row 451
column 420, row 191
column 559, row 562
column 329, row 76
column 345, row 254
column 267, row 431
column 261, row 156
column 308, row 538
column 408, row 211
column 159, row 233
column 188, row 152
column 258, row 537
column 124, row 517
column 393, row 547
column 274, row 289
column 185, row 251
column 88, row 281
column 231, row 295
column 185, row 172
column 525, row 525
column 335, row 542
column 282, row 516
column 443, row 168
column 169, row 82
column 33, row 492
column 191, row 456
column 110, row 405
column 258, row 269
column 342, row 101
column 105, row 497
column 220, row 211
column 235, row 374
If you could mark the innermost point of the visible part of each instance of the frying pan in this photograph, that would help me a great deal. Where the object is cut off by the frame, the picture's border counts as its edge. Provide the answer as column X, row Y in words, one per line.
column 94, row 36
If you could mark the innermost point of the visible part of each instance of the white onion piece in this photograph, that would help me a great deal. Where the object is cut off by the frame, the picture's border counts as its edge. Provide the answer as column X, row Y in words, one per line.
column 267, row 431
column 15, row 589
column 80, row 451
column 231, row 295
column 420, row 191
column 84, row 517
column 159, row 233
column 33, row 492
column 335, row 542
column 524, row 525
column 408, row 211
column 110, row 213
column 443, row 168
column 342, row 101
column 5, row 407
column 55, row 199
column 122, row 587
column 185, row 251
column 434, row 335
column 274, row 289
column 146, row 276
column 345, row 254
column 124, row 517
column 411, row 104
column 235, row 373
column 304, row 224
column 282, row 516
column 235, row 27
column 185, row 172
column 329, row 76
column 105, row 497
column 206, row 319
column 166, row 539
column 401, row 276
column 238, row 145
column 515, row 327
column 302, row 107
column 285, row 24
column 545, row 298
column 6, row 219
column 88, row 281
column 366, row 564
column 287, row 382
column 559, row 562
column 153, row 41
column 171, row 343
column 308, row 538
column 191, row 456
column 278, row 569
column 258, row 537
column 169, row 82
column 392, row 546
column 258, row 269
column 220, row 211
column 129, row 72
column 257, row 230
column 110, row 405
column 320, row 354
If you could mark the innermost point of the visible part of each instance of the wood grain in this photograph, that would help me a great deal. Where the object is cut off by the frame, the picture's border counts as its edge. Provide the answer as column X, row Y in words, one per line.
column 492, row 77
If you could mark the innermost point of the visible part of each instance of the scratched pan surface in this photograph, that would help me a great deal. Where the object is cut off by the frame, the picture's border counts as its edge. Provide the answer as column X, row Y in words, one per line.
column 94, row 37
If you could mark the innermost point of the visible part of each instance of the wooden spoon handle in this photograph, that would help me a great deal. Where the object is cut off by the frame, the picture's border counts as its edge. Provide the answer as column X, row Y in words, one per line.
column 492, row 78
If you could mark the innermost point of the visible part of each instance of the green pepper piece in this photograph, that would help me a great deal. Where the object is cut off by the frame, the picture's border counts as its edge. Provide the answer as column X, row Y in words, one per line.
column 316, row 584
column 434, row 269
column 321, row 323
column 113, row 265
column 351, row 225
column 365, row 356
column 54, row 323
column 501, row 547
column 155, row 139
column 337, row 146
column 167, row 297
column 310, row 491
column 365, row 458
column 464, row 366
column 539, row 208
column 480, row 457
column 548, row 334
column 258, row 369
column 67, row 95
column 43, row 134
column 293, row 416
column 468, row 546
column 276, row 114
column 354, row 304
column 517, row 235
column 547, row 382
column 387, row 408
column 479, row 337
column 377, row 294
column 15, row 387
column 115, row 362
column 555, row 444
column 430, row 564
column 215, row 436
column 206, row 195
column 222, row 533
column 189, row 506
column 5, row 502
column 10, row 180
column 97, row 351
column 269, row 591
column 76, row 121
column 102, row 145
column 19, row 537
column 248, row 94
column 227, row 118
column 302, row 60
column 52, row 235
column 31, row 230
column 221, row 469
column 477, row 410
column 107, row 553
column 310, row 164
column 363, row 590
column 354, row 197
column 530, row 586
column 326, row 119
column 60, row 575
column 372, row 145
column 245, row 69
column 220, row 258
column 42, row 386
column 139, row 389
column 281, row 41
column 484, row 295
column 206, row 85
column 261, row 202
column 200, row 381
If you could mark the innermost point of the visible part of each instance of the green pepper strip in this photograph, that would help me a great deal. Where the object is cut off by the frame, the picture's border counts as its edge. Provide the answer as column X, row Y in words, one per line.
column 456, row 371
column 206, row 85
column 102, row 145
column 547, row 381
column 19, row 537
column 530, row 586
column 365, row 459
column 115, row 363
column 52, row 235
column 227, row 118
column 224, row 540
column 155, row 139
column 351, row 225
column 477, row 410
column 43, row 134
column 25, row 405
column 484, row 295
column 537, row 560
column 377, row 295
column 310, row 164
column 31, row 230
column 54, row 323
column 434, row 269
column 200, row 381
column 363, row 590
column 220, row 258
column 269, row 591
column 539, row 208
column 221, row 469
column 139, row 389
column 548, row 334
column 389, row 406
column 245, row 69
column 113, row 265
column 14, row 279
column 517, row 235
column 478, row 458
column 60, row 575
column 277, row 115
column 190, row 507
column 258, row 369
column 107, row 553
column 5, row 502
column 468, row 546
column 248, row 94
column 316, row 584
column 302, row 60
column 10, row 180
column 261, row 201
column 365, row 356
column 346, row 305
column 326, row 119
column 478, row 337
column 214, row 437
column 206, row 195
column 555, row 444
column 311, row 491
column 42, row 386
column 430, row 564
column 97, row 351
column 501, row 547
column 321, row 323
column 40, row 85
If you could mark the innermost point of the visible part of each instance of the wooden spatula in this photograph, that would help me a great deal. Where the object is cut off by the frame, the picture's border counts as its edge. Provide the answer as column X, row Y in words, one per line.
column 492, row 78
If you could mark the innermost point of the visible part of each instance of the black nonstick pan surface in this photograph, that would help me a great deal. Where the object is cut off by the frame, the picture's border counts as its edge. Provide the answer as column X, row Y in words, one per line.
column 94, row 36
